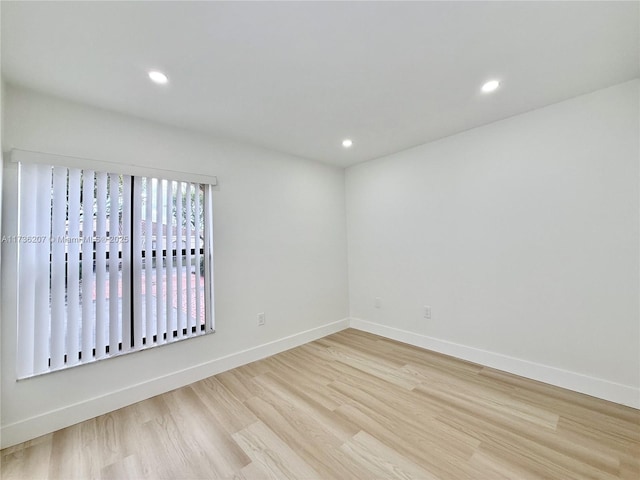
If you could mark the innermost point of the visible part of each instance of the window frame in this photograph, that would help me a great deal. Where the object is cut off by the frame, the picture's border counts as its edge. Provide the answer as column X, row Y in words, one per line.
column 137, row 255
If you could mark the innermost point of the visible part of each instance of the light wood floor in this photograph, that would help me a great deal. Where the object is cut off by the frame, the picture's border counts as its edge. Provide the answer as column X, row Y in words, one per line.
column 348, row 406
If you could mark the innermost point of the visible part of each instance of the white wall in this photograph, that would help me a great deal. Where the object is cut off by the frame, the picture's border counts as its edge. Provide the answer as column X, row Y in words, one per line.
column 279, row 235
column 1, row 170
column 521, row 235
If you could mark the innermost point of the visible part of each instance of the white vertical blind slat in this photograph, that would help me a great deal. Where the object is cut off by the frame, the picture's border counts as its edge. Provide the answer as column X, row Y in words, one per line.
column 169, row 266
column 189, row 258
column 42, row 345
column 58, row 261
column 101, row 264
column 179, row 269
column 148, row 260
column 161, row 318
column 114, row 263
column 88, row 274
column 136, row 238
column 73, row 269
column 198, row 232
column 28, row 179
column 208, row 251
column 126, row 262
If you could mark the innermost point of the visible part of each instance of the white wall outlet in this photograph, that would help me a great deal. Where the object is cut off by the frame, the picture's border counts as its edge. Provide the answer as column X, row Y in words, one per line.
column 377, row 302
column 261, row 319
column 427, row 312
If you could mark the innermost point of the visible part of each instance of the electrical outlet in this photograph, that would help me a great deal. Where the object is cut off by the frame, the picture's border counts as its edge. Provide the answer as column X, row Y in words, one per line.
column 376, row 302
column 261, row 319
column 427, row 312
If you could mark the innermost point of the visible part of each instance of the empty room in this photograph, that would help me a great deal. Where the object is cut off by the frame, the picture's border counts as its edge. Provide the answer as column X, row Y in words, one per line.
column 320, row 240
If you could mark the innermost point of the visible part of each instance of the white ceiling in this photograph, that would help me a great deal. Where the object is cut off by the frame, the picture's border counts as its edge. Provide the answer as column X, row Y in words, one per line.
column 299, row 77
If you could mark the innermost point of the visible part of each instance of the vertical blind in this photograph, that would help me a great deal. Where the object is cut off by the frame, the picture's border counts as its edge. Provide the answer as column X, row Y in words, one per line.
column 109, row 264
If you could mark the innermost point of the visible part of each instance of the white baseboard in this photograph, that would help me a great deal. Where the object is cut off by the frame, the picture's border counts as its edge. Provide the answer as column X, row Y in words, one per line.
column 596, row 387
column 51, row 421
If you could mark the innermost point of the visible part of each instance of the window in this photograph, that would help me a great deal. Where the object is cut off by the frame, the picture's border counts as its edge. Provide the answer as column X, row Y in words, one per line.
column 109, row 264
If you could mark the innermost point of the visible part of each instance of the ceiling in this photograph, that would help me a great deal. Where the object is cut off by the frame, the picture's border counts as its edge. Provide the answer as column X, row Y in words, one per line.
column 299, row 77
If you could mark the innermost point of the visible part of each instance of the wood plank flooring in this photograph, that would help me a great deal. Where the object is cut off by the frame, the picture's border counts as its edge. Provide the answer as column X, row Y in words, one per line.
column 349, row 406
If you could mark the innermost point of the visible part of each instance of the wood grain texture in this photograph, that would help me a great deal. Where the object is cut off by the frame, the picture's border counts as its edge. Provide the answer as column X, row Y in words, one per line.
column 349, row 406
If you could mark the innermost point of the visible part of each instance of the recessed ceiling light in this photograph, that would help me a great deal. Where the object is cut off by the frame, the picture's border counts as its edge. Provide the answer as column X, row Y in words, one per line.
column 490, row 86
column 347, row 142
column 158, row 77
